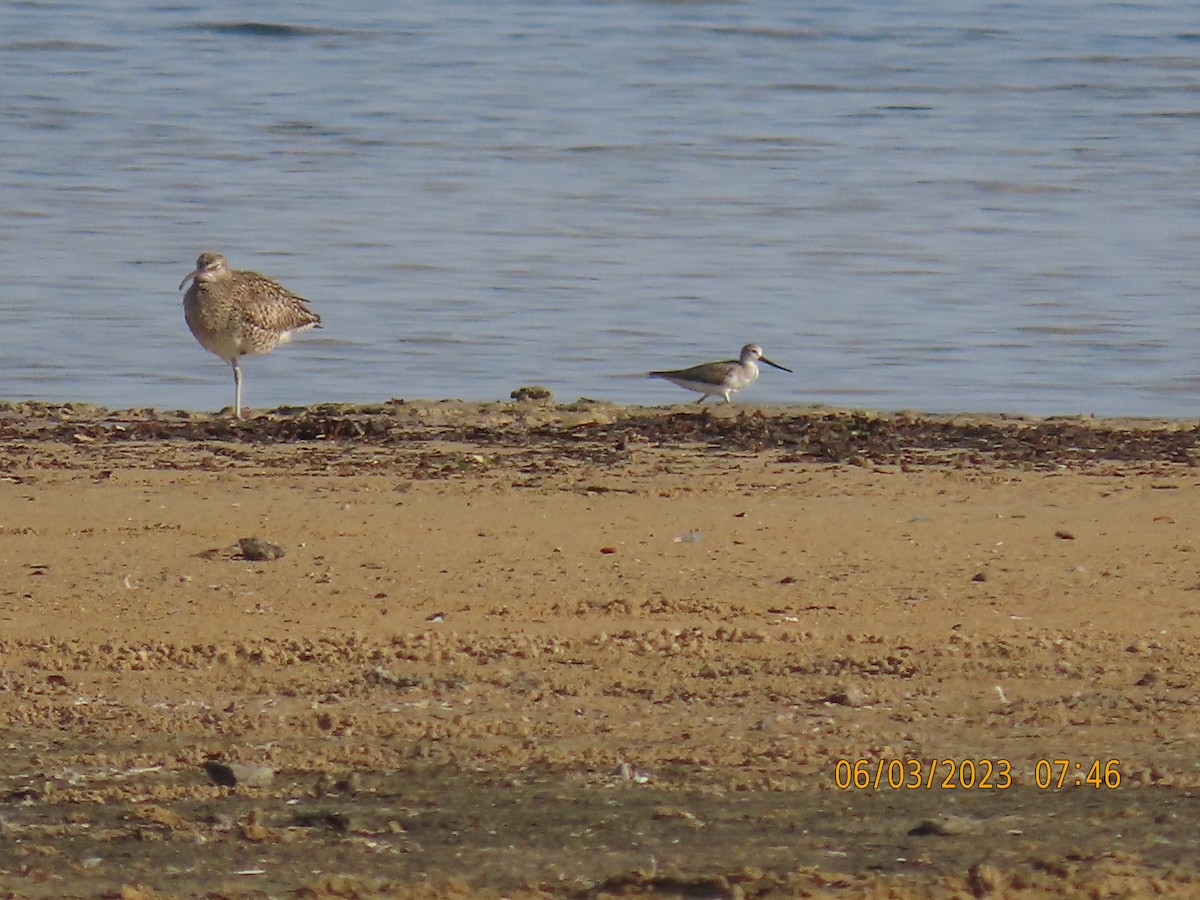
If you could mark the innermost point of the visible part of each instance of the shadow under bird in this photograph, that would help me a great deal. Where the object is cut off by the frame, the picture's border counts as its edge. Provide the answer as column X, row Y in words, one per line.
column 721, row 379
column 234, row 313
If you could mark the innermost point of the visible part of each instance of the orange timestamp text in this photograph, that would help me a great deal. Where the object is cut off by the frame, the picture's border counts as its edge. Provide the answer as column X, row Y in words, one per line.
column 971, row 774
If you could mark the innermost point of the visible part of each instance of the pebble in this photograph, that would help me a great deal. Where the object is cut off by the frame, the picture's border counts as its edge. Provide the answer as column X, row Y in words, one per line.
column 983, row 879
column 219, row 773
column 257, row 550
column 625, row 772
column 848, row 695
column 234, row 774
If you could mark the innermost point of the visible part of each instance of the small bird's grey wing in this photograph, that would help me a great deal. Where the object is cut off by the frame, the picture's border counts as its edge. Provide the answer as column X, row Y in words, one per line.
column 714, row 372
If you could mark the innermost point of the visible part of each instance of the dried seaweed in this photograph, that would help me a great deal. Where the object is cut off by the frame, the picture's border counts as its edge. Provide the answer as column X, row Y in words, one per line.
column 799, row 436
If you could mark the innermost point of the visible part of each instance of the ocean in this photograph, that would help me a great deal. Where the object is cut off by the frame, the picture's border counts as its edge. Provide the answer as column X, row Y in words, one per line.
column 936, row 206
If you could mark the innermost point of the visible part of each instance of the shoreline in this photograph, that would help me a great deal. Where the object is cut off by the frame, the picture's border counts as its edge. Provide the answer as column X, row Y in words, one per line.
column 583, row 404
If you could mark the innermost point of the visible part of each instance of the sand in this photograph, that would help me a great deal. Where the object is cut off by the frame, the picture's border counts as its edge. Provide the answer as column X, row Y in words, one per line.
column 517, row 649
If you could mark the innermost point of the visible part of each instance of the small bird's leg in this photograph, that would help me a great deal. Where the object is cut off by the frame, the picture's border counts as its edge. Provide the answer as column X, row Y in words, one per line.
column 703, row 397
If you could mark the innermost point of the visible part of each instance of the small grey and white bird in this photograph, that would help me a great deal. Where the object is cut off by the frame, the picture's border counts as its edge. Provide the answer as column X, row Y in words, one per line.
column 234, row 314
column 721, row 379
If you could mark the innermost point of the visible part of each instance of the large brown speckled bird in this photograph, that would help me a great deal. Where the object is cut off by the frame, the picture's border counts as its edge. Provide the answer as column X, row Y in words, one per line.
column 234, row 314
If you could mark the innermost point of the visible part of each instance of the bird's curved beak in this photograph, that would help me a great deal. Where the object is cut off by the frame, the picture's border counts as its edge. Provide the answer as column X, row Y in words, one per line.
column 192, row 274
column 776, row 365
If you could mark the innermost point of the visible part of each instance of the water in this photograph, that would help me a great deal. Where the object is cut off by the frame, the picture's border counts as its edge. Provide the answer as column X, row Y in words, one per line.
column 934, row 205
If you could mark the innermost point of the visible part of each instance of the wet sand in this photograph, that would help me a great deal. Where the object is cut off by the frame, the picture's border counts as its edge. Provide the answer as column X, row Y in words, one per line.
column 580, row 650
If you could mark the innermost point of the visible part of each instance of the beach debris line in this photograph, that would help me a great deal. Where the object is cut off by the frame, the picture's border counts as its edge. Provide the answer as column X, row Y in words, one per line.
column 608, row 434
column 237, row 773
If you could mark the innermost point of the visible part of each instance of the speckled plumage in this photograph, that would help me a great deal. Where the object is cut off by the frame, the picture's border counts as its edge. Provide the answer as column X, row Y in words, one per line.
column 721, row 379
column 235, row 313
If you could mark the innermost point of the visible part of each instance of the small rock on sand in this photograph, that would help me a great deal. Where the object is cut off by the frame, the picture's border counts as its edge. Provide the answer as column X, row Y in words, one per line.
column 258, row 550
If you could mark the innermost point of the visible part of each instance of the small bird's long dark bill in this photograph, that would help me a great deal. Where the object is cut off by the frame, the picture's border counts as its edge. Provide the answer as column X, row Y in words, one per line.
column 189, row 277
column 776, row 365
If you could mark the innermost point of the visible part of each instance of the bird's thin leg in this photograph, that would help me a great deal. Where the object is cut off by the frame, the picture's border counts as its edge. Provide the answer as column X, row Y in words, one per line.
column 237, row 388
column 703, row 397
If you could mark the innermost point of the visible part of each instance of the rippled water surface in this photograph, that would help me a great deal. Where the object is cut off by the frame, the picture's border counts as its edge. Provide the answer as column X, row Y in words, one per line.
column 931, row 205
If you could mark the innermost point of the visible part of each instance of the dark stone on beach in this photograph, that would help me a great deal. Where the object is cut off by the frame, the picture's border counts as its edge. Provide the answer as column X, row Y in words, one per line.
column 233, row 774
column 338, row 822
column 848, row 695
column 945, row 826
column 533, row 392
column 258, row 550
column 219, row 773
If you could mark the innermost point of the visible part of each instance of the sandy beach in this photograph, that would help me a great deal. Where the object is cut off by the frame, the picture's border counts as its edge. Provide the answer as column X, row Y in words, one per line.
column 463, row 649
